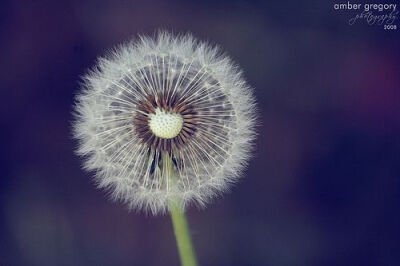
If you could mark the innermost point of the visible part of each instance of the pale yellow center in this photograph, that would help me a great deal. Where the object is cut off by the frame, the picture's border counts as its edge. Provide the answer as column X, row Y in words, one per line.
column 164, row 124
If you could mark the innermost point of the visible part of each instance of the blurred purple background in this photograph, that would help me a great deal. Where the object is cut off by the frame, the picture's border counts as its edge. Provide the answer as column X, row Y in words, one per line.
column 323, row 188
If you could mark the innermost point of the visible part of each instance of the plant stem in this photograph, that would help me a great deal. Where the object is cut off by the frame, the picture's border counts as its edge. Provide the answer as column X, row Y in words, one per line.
column 181, row 228
column 182, row 235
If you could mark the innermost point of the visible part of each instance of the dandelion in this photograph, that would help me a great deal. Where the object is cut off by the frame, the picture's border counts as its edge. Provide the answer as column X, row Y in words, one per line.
column 165, row 119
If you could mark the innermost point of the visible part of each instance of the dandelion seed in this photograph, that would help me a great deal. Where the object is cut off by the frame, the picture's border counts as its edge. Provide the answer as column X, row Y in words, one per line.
column 165, row 96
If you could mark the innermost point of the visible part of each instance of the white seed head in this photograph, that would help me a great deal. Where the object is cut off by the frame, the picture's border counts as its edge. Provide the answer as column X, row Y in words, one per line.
column 165, row 125
column 165, row 97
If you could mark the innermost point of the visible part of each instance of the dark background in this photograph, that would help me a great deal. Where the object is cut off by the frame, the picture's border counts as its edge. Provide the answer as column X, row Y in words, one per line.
column 322, row 189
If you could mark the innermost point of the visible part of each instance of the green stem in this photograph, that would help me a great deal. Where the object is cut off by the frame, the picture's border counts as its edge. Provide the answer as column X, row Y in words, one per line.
column 179, row 222
column 182, row 235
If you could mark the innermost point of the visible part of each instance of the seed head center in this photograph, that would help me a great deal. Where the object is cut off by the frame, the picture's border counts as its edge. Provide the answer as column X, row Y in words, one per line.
column 164, row 124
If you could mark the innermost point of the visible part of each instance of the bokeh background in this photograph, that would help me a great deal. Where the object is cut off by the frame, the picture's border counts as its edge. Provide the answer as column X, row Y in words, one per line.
column 323, row 187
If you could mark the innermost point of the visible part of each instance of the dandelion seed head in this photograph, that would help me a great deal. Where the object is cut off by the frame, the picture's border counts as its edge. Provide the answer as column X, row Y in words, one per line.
column 165, row 96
